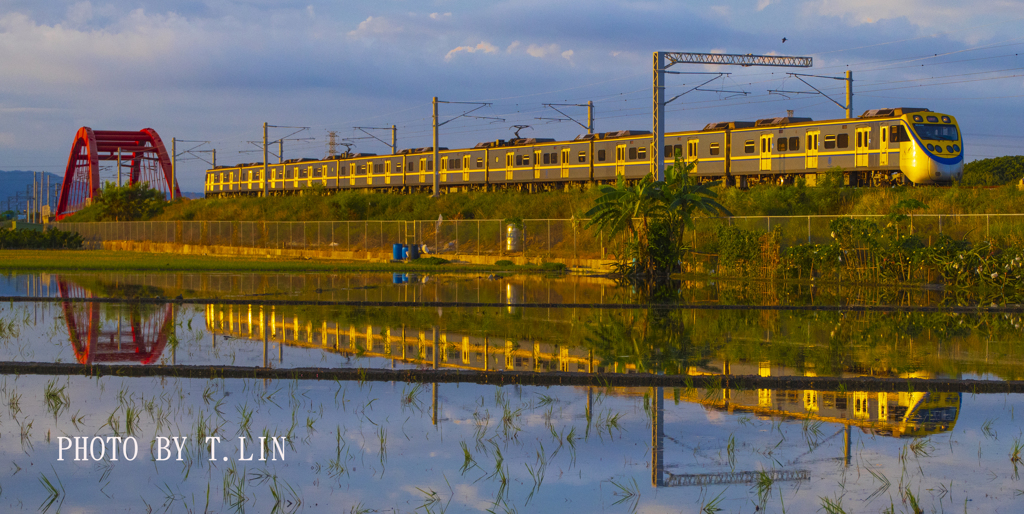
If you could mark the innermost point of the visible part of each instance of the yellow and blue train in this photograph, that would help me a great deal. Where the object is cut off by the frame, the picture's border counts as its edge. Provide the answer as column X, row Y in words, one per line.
column 880, row 147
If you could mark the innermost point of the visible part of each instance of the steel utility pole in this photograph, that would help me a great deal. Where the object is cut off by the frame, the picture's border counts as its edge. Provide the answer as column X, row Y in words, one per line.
column 174, row 165
column 849, row 90
column 264, row 191
column 590, row 115
column 436, row 164
column 394, row 132
column 673, row 58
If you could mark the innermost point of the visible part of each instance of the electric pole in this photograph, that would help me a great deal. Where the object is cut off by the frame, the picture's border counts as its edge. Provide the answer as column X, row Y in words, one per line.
column 264, row 192
column 673, row 58
column 436, row 164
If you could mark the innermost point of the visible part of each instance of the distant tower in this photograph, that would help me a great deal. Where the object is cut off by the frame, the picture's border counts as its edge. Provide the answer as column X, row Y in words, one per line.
column 332, row 144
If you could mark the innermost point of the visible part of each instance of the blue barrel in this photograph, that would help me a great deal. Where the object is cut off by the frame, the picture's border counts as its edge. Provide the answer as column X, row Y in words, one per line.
column 397, row 278
column 405, row 252
column 396, row 252
column 414, row 252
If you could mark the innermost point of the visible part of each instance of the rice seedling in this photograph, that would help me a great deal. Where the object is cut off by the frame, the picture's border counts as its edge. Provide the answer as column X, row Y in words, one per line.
column 714, row 505
column 832, row 506
column 468, row 462
column 911, row 500
column 56, row 398
column 246, row 420
column 52, row 492
column 730, row 450
column 763, row 483
column 628, row 492
column 986, row 429
column 921, row 447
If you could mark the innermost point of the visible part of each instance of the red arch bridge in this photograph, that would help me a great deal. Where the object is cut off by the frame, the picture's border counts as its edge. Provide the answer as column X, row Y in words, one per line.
column 144, row 153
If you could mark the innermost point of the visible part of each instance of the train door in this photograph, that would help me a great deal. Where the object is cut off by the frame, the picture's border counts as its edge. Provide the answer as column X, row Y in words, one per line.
column 860, row 150
column 811, row 154
column 423, row 170
column 565, row 163
column 387, row 172
column 620, row 160
column 766, row 152
column 691, row 151
column 536, row 165
column 509, row 159
column 465, row 168
column 883, row 146
column 444, row 169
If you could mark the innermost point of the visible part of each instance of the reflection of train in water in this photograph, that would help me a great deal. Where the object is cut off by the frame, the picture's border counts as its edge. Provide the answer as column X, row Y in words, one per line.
column 882, row 146
column 895, row 414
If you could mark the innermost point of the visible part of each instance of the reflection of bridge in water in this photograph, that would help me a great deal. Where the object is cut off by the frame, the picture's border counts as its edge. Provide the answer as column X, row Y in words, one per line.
column 134, row 336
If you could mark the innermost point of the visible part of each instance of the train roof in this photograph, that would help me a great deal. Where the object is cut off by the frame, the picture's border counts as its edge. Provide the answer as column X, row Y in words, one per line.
column 722, row 125
column 784, row 120
column 891, row 111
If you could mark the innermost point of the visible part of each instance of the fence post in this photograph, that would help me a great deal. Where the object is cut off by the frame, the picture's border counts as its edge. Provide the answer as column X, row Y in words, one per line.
column 940, row 224
column 988, row 231
column 549, row 237
column 478, row 239
column 456, row 237
column 808, row 230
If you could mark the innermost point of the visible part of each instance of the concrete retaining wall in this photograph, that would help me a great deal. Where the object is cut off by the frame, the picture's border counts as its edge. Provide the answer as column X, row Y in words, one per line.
column 283, row 253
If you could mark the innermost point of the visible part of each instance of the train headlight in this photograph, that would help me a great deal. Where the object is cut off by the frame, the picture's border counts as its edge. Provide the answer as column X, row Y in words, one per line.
column 949, row 149
column 931, row 147
column 945, row 119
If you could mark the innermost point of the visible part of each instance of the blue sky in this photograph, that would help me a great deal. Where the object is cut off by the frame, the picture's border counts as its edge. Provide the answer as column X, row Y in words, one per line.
column 215, row 70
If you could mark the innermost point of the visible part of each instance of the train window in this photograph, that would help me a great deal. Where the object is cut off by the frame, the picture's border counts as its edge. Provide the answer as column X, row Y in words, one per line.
column 842, row 140
column 830, row 142
column 632, row 153
column 668, row 151
column 554, row 157
column 526, row 160
column 378, row 168
column 677, row 150
column 583, row 156
column 794, row 143
column 318, row 172
column 782, row 145
column 859, row 139
column 519, row 160
column 810, row 141
column 884, row 133
column 600, row 155
column 749, row 146
column 289, row 173
column 714, row 149
column 430, row 165
column 479, row 162
column 547, row 158
column 641, row 153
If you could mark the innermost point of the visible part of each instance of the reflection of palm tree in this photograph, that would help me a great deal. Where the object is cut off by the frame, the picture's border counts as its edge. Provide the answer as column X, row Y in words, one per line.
column 651, row 341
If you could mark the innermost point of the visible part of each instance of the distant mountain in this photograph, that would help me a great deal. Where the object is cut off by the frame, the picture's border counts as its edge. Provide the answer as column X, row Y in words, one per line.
column 20, row 182
column 17, row 181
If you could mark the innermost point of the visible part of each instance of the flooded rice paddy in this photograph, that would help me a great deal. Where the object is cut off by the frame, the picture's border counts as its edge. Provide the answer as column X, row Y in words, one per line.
column 360, row 446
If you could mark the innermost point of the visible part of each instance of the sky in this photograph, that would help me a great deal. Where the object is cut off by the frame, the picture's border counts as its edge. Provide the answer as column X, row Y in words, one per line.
column 215, row 70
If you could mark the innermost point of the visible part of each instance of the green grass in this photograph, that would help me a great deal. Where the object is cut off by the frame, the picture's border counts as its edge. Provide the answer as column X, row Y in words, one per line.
column 106, row 260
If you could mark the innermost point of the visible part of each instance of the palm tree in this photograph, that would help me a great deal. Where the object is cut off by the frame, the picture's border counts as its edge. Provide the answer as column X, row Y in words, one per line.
column 649, row 207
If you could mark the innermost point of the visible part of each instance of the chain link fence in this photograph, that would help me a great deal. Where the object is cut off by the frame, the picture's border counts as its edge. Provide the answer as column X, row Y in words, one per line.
column 534, row 238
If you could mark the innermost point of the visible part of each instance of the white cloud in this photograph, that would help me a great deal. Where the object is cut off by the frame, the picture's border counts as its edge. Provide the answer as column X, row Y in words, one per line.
column 761, row 4
column 483, row 46
column 374, row 27
column 513, row 46
column 79, row 14
column 542, row 51
column 722, row 10
column 567, row 55
column 438, row 16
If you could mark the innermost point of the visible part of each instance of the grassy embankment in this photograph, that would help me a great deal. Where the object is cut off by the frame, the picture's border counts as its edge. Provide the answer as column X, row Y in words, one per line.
column 757, row 201
column 104, row 260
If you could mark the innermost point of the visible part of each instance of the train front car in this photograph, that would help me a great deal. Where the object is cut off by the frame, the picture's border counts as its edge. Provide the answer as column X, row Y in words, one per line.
column 931, row 148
